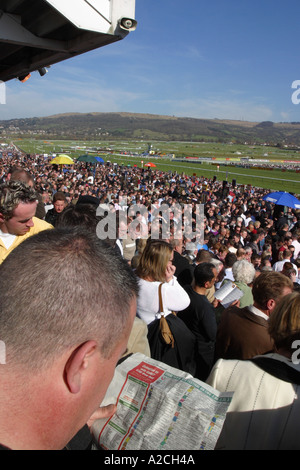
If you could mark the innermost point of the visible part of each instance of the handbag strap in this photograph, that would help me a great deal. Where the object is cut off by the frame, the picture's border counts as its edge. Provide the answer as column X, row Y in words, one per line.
column 163, row 324
column 161, row 307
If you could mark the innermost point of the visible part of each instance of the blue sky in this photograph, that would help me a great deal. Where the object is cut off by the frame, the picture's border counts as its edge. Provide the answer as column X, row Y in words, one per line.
column 225, row 59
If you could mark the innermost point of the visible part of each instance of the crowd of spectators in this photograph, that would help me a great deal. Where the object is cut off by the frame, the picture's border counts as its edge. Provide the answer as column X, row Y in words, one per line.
column 236, row 219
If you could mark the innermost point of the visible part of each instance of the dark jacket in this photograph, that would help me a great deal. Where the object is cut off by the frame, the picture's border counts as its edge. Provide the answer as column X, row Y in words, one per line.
column 184, row 270
column 51, row 217
column 200, row 318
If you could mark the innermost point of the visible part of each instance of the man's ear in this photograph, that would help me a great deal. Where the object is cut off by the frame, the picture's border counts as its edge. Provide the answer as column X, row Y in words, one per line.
column 271, row 304
column 2, row 219
column 77, row 364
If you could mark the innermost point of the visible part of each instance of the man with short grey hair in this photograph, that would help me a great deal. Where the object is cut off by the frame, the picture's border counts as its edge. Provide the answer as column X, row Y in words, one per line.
column 68, row 303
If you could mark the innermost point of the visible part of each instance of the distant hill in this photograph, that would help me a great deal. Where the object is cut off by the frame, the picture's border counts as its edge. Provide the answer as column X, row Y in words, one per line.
column 155, row 127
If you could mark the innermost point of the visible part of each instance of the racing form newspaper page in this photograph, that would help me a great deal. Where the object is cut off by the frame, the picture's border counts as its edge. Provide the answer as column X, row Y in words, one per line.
column 160, row 408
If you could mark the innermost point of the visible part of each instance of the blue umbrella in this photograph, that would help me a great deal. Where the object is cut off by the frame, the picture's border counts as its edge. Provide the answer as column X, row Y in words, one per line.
column 283, row 199
column 99, row 159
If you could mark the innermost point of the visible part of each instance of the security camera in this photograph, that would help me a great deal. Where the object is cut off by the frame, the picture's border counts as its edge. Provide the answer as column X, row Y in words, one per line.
column 42, row 71
column 128, row 24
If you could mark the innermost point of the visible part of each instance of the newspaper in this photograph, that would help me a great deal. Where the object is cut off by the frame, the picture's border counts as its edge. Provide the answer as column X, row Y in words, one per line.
column 160, row 408
column 228, row 293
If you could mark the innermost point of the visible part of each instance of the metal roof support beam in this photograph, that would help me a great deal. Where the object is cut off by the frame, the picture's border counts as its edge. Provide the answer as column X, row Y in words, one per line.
column 12, row 32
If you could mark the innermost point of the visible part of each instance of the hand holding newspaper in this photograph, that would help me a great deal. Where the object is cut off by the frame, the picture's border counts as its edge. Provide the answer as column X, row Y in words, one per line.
column 228, row 293
column 160, row 408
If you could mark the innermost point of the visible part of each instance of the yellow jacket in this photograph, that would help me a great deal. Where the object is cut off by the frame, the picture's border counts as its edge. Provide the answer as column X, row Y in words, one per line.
column 39, row 225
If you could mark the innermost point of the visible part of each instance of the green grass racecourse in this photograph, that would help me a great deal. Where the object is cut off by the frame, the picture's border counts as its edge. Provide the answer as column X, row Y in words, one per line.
column 227, row 155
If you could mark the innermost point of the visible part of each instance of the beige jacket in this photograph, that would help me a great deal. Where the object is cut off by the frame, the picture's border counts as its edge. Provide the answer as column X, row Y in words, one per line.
column 138, row 340
column 264, row 412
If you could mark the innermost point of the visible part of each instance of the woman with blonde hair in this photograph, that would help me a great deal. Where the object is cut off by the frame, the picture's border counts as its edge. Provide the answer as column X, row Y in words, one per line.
column 155, row 267
column 160, row 295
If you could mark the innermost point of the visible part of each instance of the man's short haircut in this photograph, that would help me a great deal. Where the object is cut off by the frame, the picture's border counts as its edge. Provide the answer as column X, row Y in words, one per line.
column 203, row 272
column 12, row 194
column 287, row 254
column 217, row 263
column 203, row 256
column 269, row 285
column 59, row 289
column 230, row 259
column 20, row 174
column 59, row 196
column 175, row 242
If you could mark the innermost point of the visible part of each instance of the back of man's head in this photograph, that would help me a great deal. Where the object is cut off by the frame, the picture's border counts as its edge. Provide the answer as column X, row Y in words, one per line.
column 204, row 272
column 230, row 259
column 78, row 215
column 22, row 175
column 270, row 285
column 287, row 254
column 203, row 256
column 58, row 289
